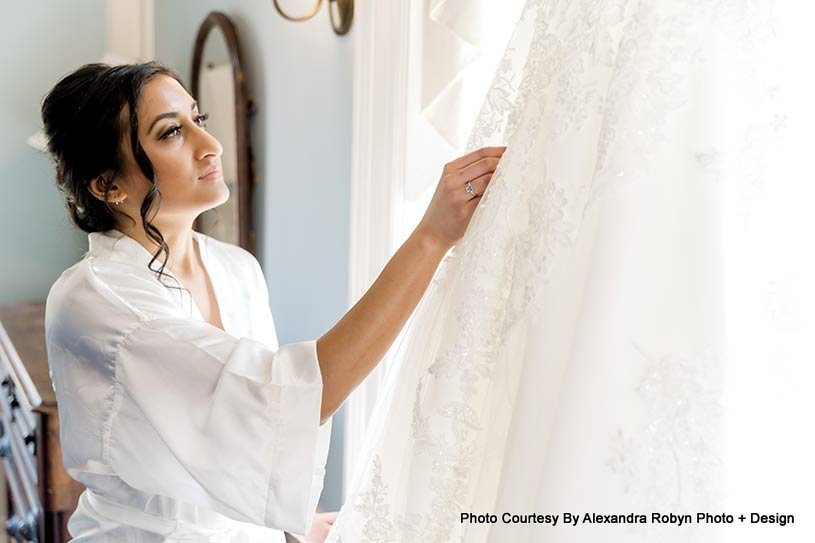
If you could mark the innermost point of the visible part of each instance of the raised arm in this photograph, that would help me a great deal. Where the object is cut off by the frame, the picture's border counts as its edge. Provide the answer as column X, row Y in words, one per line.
column 355, row 345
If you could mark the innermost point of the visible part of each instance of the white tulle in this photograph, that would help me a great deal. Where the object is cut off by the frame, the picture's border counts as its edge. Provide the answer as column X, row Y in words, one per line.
column 625, row 326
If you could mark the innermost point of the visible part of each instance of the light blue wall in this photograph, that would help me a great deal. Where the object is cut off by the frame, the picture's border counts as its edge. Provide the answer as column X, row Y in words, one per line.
column 299, row 76
column 39, row 44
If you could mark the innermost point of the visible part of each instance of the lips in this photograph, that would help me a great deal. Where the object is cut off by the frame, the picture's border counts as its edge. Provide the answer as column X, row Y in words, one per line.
column 210, row 173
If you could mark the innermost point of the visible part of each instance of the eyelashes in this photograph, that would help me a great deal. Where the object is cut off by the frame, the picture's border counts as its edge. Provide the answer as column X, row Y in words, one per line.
column 173, row 131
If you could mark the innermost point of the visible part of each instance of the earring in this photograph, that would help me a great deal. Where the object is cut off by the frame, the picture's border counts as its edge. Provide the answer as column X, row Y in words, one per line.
column 120, row 201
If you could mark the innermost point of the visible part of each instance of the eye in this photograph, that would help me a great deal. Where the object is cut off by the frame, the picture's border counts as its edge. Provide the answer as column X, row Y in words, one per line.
column 172, row 132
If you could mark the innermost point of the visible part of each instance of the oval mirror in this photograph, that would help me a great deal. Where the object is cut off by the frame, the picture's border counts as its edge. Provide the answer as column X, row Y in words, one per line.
column 218, row 86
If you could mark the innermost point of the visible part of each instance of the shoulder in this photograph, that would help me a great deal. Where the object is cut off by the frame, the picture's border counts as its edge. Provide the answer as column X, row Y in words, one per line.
column 104, row 299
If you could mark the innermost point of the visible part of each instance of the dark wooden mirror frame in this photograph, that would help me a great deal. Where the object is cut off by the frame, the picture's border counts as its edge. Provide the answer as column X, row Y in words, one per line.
column 243, row 108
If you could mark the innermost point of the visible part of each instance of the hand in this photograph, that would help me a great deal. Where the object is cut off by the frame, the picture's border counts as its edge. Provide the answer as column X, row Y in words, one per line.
column 452, row 207
column 319, row 528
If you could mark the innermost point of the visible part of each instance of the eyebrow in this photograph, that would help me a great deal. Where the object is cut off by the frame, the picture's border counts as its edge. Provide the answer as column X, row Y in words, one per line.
column 168, row 115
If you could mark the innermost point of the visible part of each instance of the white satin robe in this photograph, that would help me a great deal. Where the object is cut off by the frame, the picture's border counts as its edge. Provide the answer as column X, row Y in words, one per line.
column 178, row 430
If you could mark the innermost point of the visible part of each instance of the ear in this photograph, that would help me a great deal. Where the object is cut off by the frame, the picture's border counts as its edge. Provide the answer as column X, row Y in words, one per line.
column 100, row 184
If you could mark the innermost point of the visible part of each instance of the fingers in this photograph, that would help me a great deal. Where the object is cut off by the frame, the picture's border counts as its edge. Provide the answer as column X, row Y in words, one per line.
column 480, row 185
column 478, row 173
column 475, row 156
column 471, row 204
column 473, row 171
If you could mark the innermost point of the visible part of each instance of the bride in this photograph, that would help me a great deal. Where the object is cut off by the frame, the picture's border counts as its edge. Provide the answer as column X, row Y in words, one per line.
column 180, row 413
column 596, row 343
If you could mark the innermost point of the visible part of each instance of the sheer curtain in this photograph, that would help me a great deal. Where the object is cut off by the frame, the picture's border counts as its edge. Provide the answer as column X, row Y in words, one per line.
column 456, row 46
column 625, row 327
column 421, row 70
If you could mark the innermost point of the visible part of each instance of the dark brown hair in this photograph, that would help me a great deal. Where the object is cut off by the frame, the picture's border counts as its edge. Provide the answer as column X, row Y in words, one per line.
column 85, row 121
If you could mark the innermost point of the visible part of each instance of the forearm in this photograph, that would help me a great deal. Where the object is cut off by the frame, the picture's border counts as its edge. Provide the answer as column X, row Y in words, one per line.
column 355, row 345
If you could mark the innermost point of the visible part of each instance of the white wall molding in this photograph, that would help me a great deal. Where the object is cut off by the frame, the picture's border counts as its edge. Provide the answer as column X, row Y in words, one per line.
column 380, row 102
column 131, row 30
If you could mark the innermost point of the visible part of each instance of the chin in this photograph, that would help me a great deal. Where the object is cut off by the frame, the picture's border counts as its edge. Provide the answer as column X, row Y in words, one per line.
column 224, row 197
column 204, row 205
column 219, row 196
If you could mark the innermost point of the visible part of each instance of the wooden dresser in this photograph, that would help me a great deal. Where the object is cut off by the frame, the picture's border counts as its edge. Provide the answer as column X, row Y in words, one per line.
column 41, row 496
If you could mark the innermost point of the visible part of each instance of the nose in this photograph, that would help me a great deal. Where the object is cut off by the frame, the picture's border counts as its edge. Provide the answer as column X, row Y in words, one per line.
column 207, row 145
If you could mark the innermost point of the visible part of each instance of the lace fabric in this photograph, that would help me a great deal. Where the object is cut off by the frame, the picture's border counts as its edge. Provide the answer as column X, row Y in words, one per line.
column 575, row 351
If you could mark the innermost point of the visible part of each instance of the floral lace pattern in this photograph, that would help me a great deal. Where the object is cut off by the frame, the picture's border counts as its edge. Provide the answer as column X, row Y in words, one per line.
column 682, row 397
column 590, row 99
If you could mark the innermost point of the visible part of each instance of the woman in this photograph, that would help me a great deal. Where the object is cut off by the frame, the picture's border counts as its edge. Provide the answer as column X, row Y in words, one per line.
column 180, row 414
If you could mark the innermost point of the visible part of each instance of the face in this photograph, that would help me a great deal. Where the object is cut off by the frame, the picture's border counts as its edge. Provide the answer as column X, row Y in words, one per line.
column 185, row 157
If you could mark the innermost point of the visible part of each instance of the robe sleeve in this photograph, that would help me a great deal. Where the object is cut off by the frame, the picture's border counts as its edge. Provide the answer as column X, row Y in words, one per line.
column 229, row 424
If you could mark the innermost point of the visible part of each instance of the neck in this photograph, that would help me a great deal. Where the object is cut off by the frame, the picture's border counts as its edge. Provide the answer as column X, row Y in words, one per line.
column 183, row 259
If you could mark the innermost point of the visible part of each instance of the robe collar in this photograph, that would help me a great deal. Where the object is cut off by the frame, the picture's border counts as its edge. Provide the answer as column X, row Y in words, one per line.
column 115, row 245
column 119, row 247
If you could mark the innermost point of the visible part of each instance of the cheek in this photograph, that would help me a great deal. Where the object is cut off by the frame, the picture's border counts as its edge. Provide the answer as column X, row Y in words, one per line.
column 174, row 175
column 168, row 164
column 185, row 191
column 179, row 185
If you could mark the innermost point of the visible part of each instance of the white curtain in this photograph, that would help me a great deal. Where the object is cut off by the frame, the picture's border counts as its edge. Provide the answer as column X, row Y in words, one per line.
column 421, row 68
column 625, row 327
column 455, row 47
column 461, row 42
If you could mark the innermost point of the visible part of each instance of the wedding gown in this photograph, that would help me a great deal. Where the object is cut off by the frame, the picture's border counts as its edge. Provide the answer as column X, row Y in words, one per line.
column 623, row 328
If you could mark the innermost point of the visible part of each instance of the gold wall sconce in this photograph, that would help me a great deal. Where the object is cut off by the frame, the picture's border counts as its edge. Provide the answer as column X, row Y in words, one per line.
column 341, row 12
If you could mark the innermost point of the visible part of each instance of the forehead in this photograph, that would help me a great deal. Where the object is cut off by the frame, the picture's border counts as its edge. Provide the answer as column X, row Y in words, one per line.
column 162, row 94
